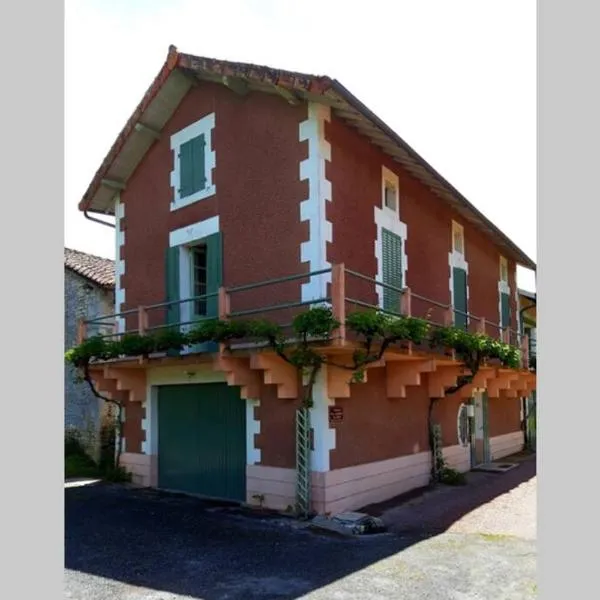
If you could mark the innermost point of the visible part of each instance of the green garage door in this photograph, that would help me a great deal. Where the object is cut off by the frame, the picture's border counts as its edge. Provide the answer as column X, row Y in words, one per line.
column 202, row 440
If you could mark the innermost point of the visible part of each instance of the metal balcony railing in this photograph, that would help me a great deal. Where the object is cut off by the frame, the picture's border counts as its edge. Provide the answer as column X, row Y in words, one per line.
column 345, row 290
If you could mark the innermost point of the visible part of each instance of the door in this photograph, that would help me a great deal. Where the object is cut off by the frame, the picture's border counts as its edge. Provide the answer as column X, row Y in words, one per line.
column 202, row 440
column 199, row 270
column 480, row 453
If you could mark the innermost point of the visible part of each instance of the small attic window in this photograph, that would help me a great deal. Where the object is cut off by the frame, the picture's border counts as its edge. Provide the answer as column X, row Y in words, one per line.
column 503, row 269
column 458, row 238
column 390, row 196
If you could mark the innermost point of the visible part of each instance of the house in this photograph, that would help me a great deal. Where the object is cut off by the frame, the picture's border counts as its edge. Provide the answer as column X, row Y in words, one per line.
column 89, row 283
column 528, row 312
column 242, row 190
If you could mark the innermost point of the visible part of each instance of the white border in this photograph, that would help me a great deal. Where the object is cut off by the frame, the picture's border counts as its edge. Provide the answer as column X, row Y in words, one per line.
column 386, row 218
column 203, row 126
column 119, row 262
column 313, row 209
column 194, row 232
column 253, row 454
column 184, row 238
column 324, row 436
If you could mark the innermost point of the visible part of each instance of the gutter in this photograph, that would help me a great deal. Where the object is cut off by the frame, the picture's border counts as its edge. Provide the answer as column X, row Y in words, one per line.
column 95, row 220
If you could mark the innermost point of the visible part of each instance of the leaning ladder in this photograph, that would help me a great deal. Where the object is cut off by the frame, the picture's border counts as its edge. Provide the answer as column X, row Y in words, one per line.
column 303, row 461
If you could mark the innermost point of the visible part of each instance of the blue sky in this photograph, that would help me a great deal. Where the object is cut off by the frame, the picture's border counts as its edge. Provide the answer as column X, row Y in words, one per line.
column 457, row 80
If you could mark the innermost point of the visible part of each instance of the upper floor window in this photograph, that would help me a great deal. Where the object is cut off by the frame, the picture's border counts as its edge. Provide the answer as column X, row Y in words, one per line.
column 503, row 270
column 390, row 193
column 390, row 190
column 194, row 160
column 458, row 238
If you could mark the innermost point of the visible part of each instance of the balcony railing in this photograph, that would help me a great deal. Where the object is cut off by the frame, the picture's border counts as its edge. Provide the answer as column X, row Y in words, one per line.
column 345, row 291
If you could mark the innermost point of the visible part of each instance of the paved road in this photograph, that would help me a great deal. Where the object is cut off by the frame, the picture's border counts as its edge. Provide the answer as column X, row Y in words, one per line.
column 141, row 545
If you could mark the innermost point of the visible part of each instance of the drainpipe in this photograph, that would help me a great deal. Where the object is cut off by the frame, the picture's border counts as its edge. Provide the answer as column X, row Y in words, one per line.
column 95, row 220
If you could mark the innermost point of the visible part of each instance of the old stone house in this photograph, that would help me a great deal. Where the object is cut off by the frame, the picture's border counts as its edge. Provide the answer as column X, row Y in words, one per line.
column 89, row 283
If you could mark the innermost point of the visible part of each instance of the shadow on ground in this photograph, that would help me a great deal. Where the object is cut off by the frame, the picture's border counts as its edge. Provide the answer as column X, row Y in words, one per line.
column 154, row 546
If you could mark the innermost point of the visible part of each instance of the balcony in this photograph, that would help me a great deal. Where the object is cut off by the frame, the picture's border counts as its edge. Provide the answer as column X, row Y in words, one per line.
column 277, row 301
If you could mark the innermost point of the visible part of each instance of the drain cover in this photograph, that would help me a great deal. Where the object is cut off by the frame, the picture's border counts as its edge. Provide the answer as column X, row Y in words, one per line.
column 496, row 467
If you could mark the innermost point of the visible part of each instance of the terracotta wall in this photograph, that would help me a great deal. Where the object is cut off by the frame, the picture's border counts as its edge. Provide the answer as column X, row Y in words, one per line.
column 258, row 195
column 277, row 436
column 355, row 173
column 504, row 415
column 377, row 428
column 132, row 427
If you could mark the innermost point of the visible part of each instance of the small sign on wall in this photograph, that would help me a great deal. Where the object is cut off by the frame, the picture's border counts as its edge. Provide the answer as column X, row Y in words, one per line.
column 336, row 415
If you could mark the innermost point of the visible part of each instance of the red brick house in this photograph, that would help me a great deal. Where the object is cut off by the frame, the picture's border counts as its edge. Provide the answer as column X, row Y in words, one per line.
column 228, row 175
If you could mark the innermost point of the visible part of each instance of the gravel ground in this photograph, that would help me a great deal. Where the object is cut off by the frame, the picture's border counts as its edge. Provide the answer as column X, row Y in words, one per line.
column 124, row 544
column 491, row 503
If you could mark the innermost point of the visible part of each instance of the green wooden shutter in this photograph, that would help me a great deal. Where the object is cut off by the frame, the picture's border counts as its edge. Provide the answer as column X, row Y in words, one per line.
column 460, row 297
column 172, row 284
column 391, row 252
column 172, row 289
column 199, row 178
column 505, row 310
column 186, row 169
column 192, row 176
column 214, row 272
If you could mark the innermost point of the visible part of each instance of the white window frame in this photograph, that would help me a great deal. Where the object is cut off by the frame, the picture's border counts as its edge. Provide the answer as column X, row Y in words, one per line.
column 186, row 238
column 204, row 126
column 386, row 218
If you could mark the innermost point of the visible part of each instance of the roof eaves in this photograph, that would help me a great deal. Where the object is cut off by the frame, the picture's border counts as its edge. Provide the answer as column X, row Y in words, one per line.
column 169, row 65
column 368, row 113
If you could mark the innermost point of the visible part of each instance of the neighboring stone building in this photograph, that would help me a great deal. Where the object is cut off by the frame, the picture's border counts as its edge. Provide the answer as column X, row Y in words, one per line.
column 89, row 292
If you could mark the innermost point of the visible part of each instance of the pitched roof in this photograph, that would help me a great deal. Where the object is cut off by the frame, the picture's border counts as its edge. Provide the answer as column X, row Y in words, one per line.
column 182, row 71
column 96, row 269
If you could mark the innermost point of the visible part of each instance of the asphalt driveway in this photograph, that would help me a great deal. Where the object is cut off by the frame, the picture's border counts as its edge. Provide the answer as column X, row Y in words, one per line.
column 139, row 544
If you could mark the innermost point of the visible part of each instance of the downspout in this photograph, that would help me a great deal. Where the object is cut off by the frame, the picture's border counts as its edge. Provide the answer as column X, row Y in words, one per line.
column 95, row 220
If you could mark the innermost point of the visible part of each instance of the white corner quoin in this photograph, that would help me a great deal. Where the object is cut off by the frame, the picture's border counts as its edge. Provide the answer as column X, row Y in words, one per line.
column 204, row 126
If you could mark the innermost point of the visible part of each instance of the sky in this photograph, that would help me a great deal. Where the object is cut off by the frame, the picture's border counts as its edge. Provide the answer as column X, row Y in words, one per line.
column 456, row 80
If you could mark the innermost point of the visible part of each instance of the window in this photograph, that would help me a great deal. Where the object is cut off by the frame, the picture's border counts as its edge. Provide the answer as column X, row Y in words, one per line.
column 199, row 279
column 194, row 160
column 503, row 269
column 390, row 196
column 458, row 238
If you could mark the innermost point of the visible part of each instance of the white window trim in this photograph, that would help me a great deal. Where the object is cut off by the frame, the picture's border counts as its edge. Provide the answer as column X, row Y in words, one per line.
column 203, row 126
column 457, row 259
column 386, row 218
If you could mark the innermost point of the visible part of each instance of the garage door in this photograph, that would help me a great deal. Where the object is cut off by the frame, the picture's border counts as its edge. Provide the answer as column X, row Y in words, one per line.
column 202, row 440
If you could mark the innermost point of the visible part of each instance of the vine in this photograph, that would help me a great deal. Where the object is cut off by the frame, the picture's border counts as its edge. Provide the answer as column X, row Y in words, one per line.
column 313, row 329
